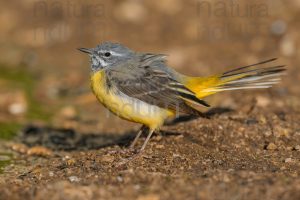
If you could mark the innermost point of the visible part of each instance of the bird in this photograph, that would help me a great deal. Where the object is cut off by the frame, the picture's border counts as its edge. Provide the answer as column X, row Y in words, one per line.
column 142, row 88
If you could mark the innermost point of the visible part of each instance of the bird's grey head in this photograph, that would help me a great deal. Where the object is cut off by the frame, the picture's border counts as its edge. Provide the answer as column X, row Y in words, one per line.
column 107, row 54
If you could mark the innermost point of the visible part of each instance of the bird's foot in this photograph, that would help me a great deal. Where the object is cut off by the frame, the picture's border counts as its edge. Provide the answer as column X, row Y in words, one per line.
column 131, row 154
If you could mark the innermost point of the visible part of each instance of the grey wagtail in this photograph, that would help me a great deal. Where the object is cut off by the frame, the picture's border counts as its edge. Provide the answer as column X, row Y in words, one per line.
column 140, row 87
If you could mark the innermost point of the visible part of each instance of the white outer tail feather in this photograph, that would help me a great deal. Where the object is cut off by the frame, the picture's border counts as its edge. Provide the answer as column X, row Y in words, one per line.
column 250, row 77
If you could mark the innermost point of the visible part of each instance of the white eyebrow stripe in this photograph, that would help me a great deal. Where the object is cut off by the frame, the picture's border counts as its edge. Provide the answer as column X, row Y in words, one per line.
column 115, row 53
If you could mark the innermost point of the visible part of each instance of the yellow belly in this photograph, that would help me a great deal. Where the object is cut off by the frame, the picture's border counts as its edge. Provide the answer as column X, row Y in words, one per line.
column 126, row 107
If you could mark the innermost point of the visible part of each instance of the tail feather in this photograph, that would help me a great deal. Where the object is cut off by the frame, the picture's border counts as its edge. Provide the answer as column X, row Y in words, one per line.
column 247, row 77
column 248, row 66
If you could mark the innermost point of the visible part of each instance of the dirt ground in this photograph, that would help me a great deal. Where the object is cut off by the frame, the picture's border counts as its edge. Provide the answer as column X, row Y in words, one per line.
column 57, row 142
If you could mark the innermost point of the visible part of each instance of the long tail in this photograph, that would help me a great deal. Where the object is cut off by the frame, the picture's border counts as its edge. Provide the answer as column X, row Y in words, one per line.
column 246, row 77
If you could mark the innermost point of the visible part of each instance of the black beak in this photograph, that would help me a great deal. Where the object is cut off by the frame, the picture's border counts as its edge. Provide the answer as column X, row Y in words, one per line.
column 86, row 50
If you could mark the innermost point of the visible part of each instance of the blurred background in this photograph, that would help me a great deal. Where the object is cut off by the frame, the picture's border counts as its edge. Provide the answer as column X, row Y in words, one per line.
column 44, row 79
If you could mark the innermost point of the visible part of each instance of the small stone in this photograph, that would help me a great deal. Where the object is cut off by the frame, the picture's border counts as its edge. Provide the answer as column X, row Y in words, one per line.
column 51, row 174
column 278, row 27
column 262, row 101
column 66, row 157
column 226, row 178
column 268, row 133
column 283, row 168
column 297, row 148
column 119, row 178
column 74, row 179
column 158, row 138
column 39, row 151
column 288, row 160
column 159, row 146
column 289, row 148
column 176, row 155
column 17, row 108
column 271, row 146
column 71, row 162
column 108, row 158
column 20, row 148
column 14, row 102
column 137, row 187
column 262, row 119
column 179, row 137
column 281, row 131
column 68, row 112
column 287, row 46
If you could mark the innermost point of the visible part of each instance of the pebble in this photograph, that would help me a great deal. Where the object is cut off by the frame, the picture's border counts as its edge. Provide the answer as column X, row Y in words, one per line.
column 39, row 151
column 68, row 112
column 289, row 148
column 283, row 168
column 33, row 151
column 74, row 179
column 108, row 158
column 71, row 162
column 226, row 178
column 287, row 46
column 179, row 137
column 119, row 178
column 160, row 146
column 297, row 147
column 137, row 187
column 262, row 119
column 17, row 108
column 268, row 133
column 281, row 131
column 14, row 102
column 288, row 160
column 158, row 138
column 20, row 148
column 271, row 146
column 262, row 101
column 278, row 27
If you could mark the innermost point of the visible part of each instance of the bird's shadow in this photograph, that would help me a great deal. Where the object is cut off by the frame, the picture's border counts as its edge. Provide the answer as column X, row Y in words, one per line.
column 208, row 114
column 69, row 139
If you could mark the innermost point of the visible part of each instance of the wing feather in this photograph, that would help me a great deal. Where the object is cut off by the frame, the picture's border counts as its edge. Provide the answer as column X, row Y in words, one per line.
column 147, row 80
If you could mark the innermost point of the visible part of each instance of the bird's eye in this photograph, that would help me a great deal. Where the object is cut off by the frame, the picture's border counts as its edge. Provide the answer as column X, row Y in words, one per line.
column 107, row 54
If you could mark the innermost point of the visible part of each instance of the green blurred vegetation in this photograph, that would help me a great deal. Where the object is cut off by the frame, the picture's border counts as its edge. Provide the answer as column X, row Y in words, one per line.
column 8, row 130
column 5, row 159
column 24, row 80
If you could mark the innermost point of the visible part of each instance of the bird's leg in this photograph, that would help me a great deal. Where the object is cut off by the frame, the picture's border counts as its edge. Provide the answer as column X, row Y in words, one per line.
column 147, row 139
column 137, row 136
column 131, row 158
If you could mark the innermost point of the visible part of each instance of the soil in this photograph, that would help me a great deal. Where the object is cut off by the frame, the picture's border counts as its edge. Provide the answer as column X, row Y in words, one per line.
column 234, row 154
column 66, row 146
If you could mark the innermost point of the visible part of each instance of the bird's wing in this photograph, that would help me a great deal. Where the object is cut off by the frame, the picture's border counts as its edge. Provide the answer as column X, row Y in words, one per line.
column 145, row 80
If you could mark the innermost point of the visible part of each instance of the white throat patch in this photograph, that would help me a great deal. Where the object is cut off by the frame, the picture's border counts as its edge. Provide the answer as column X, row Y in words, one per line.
column 96, row 60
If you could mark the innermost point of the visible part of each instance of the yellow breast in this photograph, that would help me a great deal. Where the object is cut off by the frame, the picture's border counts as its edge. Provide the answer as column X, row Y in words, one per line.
column 126, row 107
